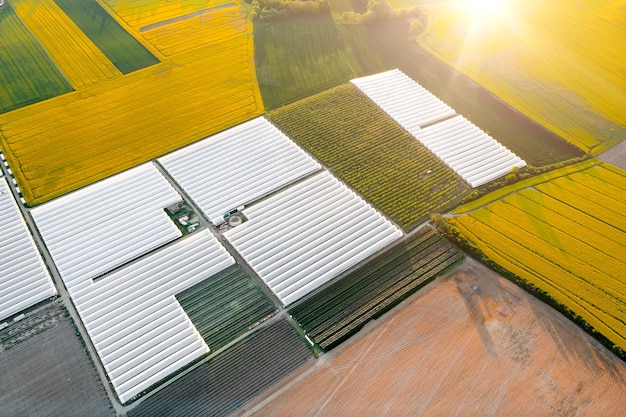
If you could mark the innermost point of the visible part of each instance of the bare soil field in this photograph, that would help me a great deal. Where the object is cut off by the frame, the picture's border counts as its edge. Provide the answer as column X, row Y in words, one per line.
column 45, row 371
column 469, row 343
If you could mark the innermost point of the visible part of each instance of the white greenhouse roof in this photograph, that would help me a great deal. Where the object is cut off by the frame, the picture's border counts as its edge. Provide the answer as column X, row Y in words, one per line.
column 470, row 152
column 237, row 166
column 24, row 279
column 404, row 100
column 102, row 226
column 137, row 326
column 305, row 235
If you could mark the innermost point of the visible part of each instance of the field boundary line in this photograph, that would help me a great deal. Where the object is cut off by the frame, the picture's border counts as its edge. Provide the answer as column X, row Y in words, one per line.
column 524, row 184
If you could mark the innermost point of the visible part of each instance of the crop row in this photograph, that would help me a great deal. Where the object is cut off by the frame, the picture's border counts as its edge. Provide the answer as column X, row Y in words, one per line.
column 567, row 238
column 220, row 387
column 341, row 309
column 189, row 33
column 28, row 75
column 225, row 306
column 139, row 14
column 124, row 51
column 173, row 104
column 365, row 148
column 72, row 51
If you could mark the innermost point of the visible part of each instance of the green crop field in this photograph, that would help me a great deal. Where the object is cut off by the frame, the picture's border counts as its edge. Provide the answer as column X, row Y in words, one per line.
column 368, row 150
column 297, row 57
column 224, row 306
column 27, row 74
column 333, row 314
column 566, row 236
column 124, row 51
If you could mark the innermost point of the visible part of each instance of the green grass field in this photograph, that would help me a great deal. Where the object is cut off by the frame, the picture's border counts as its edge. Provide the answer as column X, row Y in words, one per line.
column 124, row 51
column 27, row 74
column 298, row 57
column 368, row 150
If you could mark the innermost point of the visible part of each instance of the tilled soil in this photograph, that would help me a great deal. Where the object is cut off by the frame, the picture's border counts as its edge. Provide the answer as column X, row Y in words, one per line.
column 470, row 343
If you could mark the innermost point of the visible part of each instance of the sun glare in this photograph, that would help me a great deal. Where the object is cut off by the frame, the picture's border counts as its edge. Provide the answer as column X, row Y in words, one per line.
column 484, row 9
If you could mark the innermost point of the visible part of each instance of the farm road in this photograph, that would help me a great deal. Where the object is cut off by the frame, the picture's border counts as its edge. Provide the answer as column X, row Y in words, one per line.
column 469, row 343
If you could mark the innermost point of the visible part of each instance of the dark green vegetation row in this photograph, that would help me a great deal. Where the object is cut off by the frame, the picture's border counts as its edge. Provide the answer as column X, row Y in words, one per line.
column 220, row 387
column 225, row 306
column 354, row 138
column 49, row 372
column 300, row 56
column 340, row 310
column 124, row 51
column 26, row 73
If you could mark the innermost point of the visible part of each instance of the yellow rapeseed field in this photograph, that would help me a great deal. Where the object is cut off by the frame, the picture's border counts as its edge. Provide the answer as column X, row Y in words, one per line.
column 192, row 32
column 80, row 61
column 567, row 236
column 562, row 63
column 142, row 13
column 64, row 143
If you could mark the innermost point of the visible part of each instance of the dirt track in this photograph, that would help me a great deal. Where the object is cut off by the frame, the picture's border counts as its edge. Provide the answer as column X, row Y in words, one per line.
column 470, row 343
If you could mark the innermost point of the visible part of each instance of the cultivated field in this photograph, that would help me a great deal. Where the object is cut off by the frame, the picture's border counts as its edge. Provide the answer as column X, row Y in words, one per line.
column 560, row 63
column 45, row 371
column 65, row 143
column 470, row 343
column 126, row 53
column 227, row 382
column 28, row 75
column 332, row 315
column 80, row 61
column 566, row 236
column 368, row 150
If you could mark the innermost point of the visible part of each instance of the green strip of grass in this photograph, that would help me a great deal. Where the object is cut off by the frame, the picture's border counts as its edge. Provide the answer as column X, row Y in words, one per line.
column 354, row 138
column 124, row 51
column 26, row 73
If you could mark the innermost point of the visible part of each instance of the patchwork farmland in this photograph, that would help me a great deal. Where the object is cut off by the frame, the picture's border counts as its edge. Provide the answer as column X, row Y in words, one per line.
column 187, row 89
column 360, row 144
column 202, row 253
column 566, row 236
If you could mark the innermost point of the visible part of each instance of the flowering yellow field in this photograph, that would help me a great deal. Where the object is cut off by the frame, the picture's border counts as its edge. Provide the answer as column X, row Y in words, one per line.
column 561, row 63
column 74, row 54
column 568, row 237
column 64, row 143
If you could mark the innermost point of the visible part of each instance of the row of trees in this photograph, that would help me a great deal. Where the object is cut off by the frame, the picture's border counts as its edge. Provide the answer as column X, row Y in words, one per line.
column 277, row 9
column 376, row 10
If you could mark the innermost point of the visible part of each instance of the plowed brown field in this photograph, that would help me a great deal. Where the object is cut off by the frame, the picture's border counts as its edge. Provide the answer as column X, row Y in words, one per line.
column 470, row 343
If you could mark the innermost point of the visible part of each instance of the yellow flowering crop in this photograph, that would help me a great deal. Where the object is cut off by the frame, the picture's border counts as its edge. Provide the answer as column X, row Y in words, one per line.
column 74, row 54
column 64, row 143
column 568, row 237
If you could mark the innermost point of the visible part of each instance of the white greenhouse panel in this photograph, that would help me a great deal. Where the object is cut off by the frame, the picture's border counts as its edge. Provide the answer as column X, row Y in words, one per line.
column 238, row 166
column 24, row 279
column 139, row 330
column 470, row 152
column 100, row 227
column 305, row 235
column 404, row 100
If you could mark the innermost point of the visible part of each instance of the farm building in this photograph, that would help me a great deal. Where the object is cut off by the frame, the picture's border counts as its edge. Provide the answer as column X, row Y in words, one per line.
column 24, row 280
column 98, row 228
column 137, row 326
column 303, row 236
column 237, row 166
